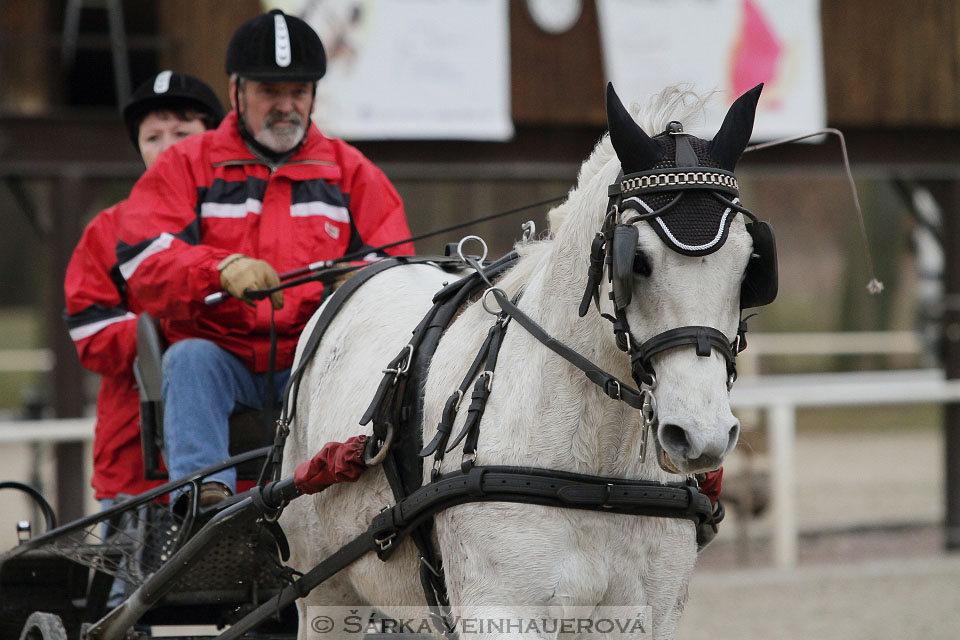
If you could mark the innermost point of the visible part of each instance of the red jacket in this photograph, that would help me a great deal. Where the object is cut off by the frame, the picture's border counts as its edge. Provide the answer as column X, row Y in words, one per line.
column 101, row 317
column 208, row 197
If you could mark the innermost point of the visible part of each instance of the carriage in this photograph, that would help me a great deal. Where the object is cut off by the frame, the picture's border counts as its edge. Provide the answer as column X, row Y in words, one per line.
column 570, row 428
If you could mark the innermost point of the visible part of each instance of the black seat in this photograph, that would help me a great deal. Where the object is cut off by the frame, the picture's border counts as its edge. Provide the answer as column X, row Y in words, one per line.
column 248, row 429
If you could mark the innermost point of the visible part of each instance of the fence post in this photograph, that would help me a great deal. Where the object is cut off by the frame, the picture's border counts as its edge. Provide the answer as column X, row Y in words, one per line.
column 781, row 425
column 67, row 374
column 947, row 194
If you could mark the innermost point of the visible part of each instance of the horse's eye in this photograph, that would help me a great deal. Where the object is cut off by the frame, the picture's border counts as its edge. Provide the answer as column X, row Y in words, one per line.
column 641, row 266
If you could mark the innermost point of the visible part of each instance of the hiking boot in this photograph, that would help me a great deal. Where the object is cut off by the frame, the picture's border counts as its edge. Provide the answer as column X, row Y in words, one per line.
column 212, row 493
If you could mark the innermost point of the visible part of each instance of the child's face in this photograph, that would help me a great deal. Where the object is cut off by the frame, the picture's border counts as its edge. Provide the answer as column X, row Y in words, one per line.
column 161, row 129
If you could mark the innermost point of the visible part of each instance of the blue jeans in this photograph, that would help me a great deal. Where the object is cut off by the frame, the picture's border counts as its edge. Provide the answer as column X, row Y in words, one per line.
column 202, row 385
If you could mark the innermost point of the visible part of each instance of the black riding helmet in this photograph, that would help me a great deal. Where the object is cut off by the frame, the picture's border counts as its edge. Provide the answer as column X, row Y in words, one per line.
column 175, row 92
column 275, row 47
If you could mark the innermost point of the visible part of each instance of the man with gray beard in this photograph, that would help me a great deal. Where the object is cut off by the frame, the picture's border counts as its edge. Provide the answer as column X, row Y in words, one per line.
column 226, row 210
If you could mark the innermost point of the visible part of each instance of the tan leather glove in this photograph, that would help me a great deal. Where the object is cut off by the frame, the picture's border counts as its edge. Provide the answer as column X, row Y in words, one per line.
column 240, row 273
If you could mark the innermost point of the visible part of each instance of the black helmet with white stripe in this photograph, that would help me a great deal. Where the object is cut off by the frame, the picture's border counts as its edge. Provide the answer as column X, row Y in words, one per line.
column 171, row 91
column 275, row 47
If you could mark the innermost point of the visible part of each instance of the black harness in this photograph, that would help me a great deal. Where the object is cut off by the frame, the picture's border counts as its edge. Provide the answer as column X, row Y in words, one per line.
column 396, row 412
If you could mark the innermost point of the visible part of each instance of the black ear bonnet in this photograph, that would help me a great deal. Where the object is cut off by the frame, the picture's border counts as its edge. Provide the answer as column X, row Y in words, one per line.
column 685, row 189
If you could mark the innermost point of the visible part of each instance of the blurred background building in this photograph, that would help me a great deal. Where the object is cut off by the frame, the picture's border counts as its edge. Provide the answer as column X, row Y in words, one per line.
column 887, row 74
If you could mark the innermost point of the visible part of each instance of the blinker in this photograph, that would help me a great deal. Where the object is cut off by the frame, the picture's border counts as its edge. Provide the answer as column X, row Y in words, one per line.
column 760, row 282
column 625, row 238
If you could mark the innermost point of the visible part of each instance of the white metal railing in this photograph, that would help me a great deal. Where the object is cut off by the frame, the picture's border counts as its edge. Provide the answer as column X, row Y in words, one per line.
column 26, row 360
column 832, row 343
column 56, row 430
column 781, row 395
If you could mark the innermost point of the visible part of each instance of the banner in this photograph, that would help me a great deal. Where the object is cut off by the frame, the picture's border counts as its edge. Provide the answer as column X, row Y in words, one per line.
column 411, row 69
column 722, row 46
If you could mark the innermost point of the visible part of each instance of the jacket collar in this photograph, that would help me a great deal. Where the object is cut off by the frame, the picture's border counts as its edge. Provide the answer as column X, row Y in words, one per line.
column 227, row 146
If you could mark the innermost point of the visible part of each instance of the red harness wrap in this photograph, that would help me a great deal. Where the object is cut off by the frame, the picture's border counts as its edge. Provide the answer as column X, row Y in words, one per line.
column 335, row 462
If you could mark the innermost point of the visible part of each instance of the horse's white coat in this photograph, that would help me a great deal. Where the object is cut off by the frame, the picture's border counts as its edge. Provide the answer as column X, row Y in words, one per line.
column 542, row 413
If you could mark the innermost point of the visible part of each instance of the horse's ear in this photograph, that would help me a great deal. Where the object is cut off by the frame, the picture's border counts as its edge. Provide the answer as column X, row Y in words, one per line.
column 637, row 151
column 734, row 133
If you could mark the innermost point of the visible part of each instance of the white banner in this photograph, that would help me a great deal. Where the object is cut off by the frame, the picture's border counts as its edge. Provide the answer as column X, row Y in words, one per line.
column 412, row 68
column 727, row 46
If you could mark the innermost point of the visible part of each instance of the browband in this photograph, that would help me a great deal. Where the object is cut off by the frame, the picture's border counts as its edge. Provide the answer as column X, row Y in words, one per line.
column 674, row 179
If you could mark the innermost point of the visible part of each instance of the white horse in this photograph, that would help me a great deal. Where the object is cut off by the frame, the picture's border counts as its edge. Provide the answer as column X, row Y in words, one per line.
column 542, row 411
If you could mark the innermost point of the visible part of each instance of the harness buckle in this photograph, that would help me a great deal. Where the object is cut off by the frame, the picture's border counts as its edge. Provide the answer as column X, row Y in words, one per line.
column 616, row 383
column 403, row 363
column 386, row 542
column 606, row 497
column 489, row 376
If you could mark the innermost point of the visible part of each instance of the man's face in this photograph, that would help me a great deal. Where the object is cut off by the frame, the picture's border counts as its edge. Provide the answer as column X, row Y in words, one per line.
column 162, row 129
column 276, row 113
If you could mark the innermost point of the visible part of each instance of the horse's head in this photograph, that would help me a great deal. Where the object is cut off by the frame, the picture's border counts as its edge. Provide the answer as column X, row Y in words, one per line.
column 682, row 263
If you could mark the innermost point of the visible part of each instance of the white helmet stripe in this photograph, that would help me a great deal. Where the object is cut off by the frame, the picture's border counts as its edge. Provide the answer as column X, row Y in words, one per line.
column 162, row 82
column 282, row 39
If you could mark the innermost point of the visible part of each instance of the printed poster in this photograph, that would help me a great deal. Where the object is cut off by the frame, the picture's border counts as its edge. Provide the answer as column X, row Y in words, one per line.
column 411, row 69
column 722, row 46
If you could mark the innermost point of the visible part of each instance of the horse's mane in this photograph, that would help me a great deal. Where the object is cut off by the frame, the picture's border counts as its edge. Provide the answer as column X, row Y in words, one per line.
column 673, row 103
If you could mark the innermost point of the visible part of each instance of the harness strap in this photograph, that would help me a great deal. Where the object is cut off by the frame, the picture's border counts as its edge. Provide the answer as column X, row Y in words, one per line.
column 391, row 402
column 271, row 467
column 705, row 339
column 331, row 565
column 594, row 274
column 520, row 485
column 611, row 385
column 398, row 402
column 481, row 393
column 445, row 426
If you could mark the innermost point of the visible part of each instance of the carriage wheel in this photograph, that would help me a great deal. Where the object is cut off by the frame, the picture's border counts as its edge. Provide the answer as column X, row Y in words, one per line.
column 43, row 626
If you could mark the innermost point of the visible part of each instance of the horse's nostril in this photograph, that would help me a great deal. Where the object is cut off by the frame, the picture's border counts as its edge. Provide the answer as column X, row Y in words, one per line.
column 734, row 436
column 674, row 438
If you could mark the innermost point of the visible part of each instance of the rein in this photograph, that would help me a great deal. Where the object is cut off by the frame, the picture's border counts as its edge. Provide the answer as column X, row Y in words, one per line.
column 328, row 268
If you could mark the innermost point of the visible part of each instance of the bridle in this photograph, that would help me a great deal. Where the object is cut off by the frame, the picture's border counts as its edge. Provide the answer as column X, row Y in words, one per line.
column 614, row 252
